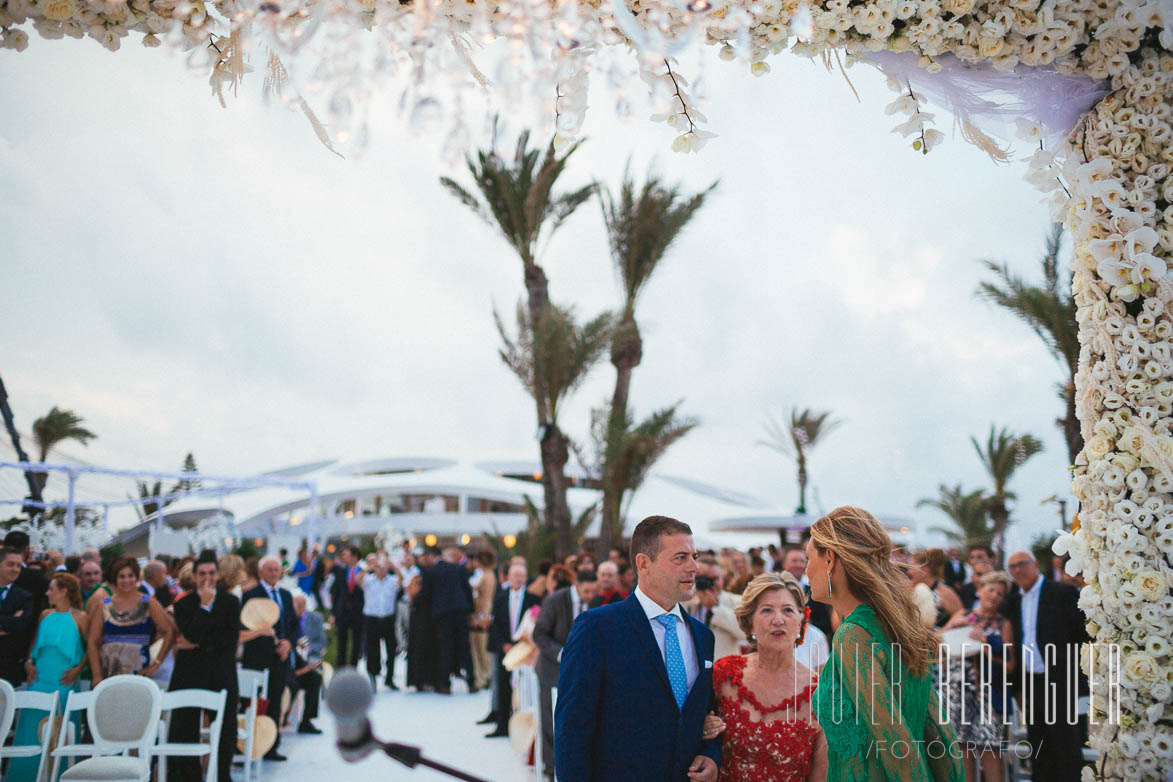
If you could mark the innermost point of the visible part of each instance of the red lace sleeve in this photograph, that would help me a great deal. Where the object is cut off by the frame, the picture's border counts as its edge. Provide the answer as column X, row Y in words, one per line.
column 725, row 669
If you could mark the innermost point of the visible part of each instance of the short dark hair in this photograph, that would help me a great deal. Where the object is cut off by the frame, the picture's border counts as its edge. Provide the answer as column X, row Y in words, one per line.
column 980, row 547
column 120, row 564
column 9, row 551
column 17, row 539
column 587, row 575
column 206, row 556
column 647, row 535
column 355, row 550
column 72, row 563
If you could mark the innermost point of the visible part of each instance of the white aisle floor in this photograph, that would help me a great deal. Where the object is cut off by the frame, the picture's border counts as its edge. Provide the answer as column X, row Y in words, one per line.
column 442, row 726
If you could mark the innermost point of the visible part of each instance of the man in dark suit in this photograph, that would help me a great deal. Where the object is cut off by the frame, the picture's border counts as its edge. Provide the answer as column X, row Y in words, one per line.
column 636, row 679
column 981, row 561
column 208, row 619
column 954, row 570
column 346, row 601
column 31, row 579
column 1047, row 621
column 509, row 606
column 446, row 586
column 559, row 610
column 17, row 617
column 271, row 651
column 155, row 582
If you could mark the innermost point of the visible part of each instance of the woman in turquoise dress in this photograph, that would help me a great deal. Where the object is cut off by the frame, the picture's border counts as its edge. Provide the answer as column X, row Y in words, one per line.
column 57, row 657
column 875, row 700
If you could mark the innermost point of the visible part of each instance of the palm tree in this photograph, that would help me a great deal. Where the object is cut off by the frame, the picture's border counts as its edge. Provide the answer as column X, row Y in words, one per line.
column 626, row 453
column 1049, row 310
column 1002, row 454
column 517, row 199
column 34, row 480
column 642, row 223
column 551, row 358
column 55, row 427
column 807, row 428
column 967, row 511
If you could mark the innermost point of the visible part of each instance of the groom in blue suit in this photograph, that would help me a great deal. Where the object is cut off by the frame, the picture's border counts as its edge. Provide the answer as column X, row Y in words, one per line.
column 636, row 678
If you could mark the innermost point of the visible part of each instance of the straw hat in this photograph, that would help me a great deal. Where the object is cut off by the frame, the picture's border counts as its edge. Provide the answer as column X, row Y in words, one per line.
column 522, row 731
column 518, row 654
column 259, row 613
column 264, row 735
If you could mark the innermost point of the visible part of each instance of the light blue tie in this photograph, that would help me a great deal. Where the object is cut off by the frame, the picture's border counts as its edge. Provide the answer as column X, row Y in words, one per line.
column 674, row 660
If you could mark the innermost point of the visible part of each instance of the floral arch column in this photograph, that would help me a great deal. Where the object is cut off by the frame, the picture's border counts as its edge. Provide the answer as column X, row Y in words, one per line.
column 1111, row 171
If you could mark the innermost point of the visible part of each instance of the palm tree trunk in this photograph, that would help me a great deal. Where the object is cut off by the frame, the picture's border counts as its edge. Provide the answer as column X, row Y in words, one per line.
column 626, row 353
column 1071, row 428
column 555, row 454
column 537, row 288
column 34, row 480
column 801, row 483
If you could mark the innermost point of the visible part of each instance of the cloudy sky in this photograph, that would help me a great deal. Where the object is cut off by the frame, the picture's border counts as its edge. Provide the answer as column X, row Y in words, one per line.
column 193, row 278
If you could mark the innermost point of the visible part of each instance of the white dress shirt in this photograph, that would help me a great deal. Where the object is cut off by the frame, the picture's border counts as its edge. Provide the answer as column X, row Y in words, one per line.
column 683, row 634
column 575, row 604
column 380, row 595
column 516, row 598
column 1032, row 655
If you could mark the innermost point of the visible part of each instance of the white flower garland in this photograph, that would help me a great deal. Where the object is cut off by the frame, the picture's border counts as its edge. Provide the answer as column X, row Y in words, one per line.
column 1109, row 181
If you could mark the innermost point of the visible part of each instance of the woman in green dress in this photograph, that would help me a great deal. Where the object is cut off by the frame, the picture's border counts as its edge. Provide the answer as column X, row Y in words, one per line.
column 57, row 657
column 875, row 700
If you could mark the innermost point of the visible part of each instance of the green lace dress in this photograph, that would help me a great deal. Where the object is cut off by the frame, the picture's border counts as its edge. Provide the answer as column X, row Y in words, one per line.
column 880, row 721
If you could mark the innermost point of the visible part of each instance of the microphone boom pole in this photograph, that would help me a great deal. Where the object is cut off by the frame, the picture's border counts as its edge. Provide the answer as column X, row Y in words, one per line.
column 349, row 699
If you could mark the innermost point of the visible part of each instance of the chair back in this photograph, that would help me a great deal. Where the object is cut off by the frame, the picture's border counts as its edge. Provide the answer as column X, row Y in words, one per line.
column 66, row 747
column 7, row 708
column 195, row 699
column 125, row 713
column 254, row 683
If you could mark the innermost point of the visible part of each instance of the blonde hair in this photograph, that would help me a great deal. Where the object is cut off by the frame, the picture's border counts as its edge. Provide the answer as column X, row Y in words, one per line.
column 760, row 585
column 860, row 543
column 232, row 570
column 998, row 577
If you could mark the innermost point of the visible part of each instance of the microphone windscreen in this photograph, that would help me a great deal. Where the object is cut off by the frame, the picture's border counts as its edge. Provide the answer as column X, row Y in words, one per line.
column 349, row 696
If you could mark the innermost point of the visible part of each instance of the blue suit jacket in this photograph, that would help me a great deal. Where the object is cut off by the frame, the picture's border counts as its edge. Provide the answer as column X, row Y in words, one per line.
column 616, row 719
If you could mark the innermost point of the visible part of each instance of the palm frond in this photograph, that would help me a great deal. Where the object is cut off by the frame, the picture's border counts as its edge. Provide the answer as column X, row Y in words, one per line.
column 642, row 224
column 554, row 358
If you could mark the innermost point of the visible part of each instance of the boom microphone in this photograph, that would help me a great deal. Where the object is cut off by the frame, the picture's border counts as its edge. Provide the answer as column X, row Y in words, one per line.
column 349, row 699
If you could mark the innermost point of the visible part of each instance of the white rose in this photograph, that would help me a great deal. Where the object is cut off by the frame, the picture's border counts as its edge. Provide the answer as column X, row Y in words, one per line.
column 1139, row 668
column 58, row 10
column 1150, row 584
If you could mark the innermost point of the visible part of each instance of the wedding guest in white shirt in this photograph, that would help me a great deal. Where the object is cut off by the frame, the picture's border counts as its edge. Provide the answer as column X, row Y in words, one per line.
column 381, row 601
column 1047, row 622
column 508, row 608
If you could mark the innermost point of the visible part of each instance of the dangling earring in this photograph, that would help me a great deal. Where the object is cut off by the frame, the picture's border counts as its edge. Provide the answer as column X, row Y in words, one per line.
column 828, row 584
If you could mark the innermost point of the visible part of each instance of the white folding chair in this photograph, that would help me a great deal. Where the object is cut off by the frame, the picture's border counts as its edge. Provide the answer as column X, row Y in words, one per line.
column 123, row 717
column 7, row 708
column 253, row 685
column 39, row 701
column 67, row 749
column 192, row 699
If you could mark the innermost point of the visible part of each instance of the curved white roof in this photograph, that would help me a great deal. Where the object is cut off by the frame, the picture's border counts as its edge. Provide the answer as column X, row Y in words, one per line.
column 283, row 511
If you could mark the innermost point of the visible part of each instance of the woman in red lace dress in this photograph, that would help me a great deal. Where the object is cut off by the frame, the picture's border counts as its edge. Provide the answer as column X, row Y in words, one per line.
column 763, row 698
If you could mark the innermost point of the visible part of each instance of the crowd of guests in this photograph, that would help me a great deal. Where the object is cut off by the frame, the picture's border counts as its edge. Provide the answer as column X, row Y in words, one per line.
column 774, row 636
column 708, row 670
